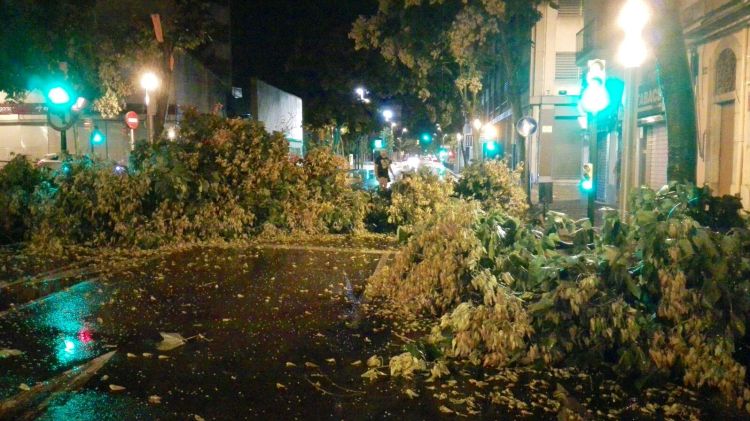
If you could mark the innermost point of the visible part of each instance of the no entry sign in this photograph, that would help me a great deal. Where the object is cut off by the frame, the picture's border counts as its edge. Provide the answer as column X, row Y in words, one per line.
column 131, row 119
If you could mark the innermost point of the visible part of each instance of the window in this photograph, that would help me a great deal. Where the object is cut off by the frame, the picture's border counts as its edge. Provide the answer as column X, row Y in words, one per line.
column 569, row 8
column 565, row 66
column 726, row 72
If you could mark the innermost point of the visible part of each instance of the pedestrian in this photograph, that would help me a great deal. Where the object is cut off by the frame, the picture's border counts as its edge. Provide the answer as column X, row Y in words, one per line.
column 382, row 169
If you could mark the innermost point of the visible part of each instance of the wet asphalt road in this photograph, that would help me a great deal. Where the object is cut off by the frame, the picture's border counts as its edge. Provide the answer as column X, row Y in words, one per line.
column 256, row 317
column 270, row 337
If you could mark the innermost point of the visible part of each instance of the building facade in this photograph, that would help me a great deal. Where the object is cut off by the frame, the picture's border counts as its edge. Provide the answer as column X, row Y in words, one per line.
column 718, row 36
column 551, row 85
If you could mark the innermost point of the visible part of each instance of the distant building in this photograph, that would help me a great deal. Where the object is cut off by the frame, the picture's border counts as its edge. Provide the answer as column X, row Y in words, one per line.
column 550, row 86
column 279, row 111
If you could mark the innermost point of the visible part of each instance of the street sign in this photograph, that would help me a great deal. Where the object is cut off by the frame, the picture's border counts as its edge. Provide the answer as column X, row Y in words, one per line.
column 527, row 126
column 131, row 119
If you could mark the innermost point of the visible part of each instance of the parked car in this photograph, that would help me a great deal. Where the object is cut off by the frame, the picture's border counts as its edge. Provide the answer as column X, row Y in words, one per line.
column 51, row 161
column 364, row 178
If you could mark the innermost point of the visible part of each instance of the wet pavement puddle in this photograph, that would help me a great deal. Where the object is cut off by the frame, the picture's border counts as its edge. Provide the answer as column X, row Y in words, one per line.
column 250, row 312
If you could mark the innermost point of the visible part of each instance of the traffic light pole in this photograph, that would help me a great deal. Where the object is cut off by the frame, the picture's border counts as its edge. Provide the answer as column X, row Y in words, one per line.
column 593, row 155
column 64, row 142
column 629, row 138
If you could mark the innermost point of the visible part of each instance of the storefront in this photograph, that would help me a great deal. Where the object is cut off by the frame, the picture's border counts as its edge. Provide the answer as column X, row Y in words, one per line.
column 653, row 150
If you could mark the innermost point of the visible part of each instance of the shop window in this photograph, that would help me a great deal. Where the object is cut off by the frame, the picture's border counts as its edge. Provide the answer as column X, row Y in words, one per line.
column 726, row 72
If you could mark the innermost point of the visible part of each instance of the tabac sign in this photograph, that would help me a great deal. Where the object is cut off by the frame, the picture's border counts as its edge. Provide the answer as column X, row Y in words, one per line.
column 650, row 101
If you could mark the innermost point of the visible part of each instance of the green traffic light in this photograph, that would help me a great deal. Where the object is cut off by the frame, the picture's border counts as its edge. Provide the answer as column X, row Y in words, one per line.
column 58, row 96
column 378, row 143
column 491, row 146
column 595, row 98
column 587, row 185
column 97, row 137
column 426, row 138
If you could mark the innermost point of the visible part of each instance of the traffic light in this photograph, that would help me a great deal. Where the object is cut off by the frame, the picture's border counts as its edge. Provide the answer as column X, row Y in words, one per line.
column 58, row 96
column 587, row 181
column 378, row 144
column 426, row 138
column 492, row 150
column 97, row 137
column 595, row 97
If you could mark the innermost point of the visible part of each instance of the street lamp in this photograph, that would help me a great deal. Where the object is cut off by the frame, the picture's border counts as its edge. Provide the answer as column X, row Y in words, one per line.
column 477, row 124
column 361, row 92
column 489, row 131
column 387, row 114
column 150, row 83
column 633, row 18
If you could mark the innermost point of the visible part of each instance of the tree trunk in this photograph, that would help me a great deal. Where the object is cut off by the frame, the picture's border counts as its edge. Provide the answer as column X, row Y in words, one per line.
column 511, row 63
column 677, row 90
column 162, row 97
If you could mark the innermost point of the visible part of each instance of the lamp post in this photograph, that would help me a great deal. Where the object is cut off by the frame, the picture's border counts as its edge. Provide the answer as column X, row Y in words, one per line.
column 150, row 83
column 632, row 53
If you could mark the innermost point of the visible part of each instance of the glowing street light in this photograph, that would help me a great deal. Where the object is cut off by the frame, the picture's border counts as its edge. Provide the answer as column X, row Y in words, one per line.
column 633, row 18
column 477, row 124
column 387, row 114
column 489, row 131
column 149, row 82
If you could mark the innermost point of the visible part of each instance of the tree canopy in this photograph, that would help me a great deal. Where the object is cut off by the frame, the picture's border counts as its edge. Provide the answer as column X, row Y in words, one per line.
column 449, row 47
column 97, row 47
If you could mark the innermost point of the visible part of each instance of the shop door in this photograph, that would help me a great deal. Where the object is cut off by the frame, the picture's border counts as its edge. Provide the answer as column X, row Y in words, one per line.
column 566, row 149
column 658, row 156
column 726, row 149
column 601, row 166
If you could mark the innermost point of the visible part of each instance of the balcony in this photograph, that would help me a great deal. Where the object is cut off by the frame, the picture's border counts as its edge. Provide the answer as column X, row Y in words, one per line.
column 587, row 40
column 704, row 20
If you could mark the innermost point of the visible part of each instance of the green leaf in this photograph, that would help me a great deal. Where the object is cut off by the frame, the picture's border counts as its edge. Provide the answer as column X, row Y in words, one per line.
column 633, row 287
column 711, row 292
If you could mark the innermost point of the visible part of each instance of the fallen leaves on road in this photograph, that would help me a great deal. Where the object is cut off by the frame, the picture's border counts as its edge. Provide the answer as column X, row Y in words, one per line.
column 411, row 394
column 289, row 365
column 170, row 342
column 372, row 374
column 154, row 399
column 374, row 361
column 6, row 353
column 280, row 386
column 116, row 388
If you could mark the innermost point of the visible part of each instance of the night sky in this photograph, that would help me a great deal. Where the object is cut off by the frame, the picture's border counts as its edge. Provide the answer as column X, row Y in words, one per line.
column 264, row 32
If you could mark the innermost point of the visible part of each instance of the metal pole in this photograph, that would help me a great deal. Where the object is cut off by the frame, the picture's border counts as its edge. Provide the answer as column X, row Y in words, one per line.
column 629, row 129
column 593, row 159
column 149, row 120
column 132, row 140
column 63, row 142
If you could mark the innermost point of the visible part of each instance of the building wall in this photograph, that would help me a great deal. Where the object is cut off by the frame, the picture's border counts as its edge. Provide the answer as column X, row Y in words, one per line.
column 27, row 133
column 556, row 151
column 279, row 111
column 712, row 108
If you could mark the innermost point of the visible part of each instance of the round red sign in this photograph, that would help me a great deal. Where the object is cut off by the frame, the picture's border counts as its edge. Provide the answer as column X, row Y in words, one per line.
column 131, row 119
